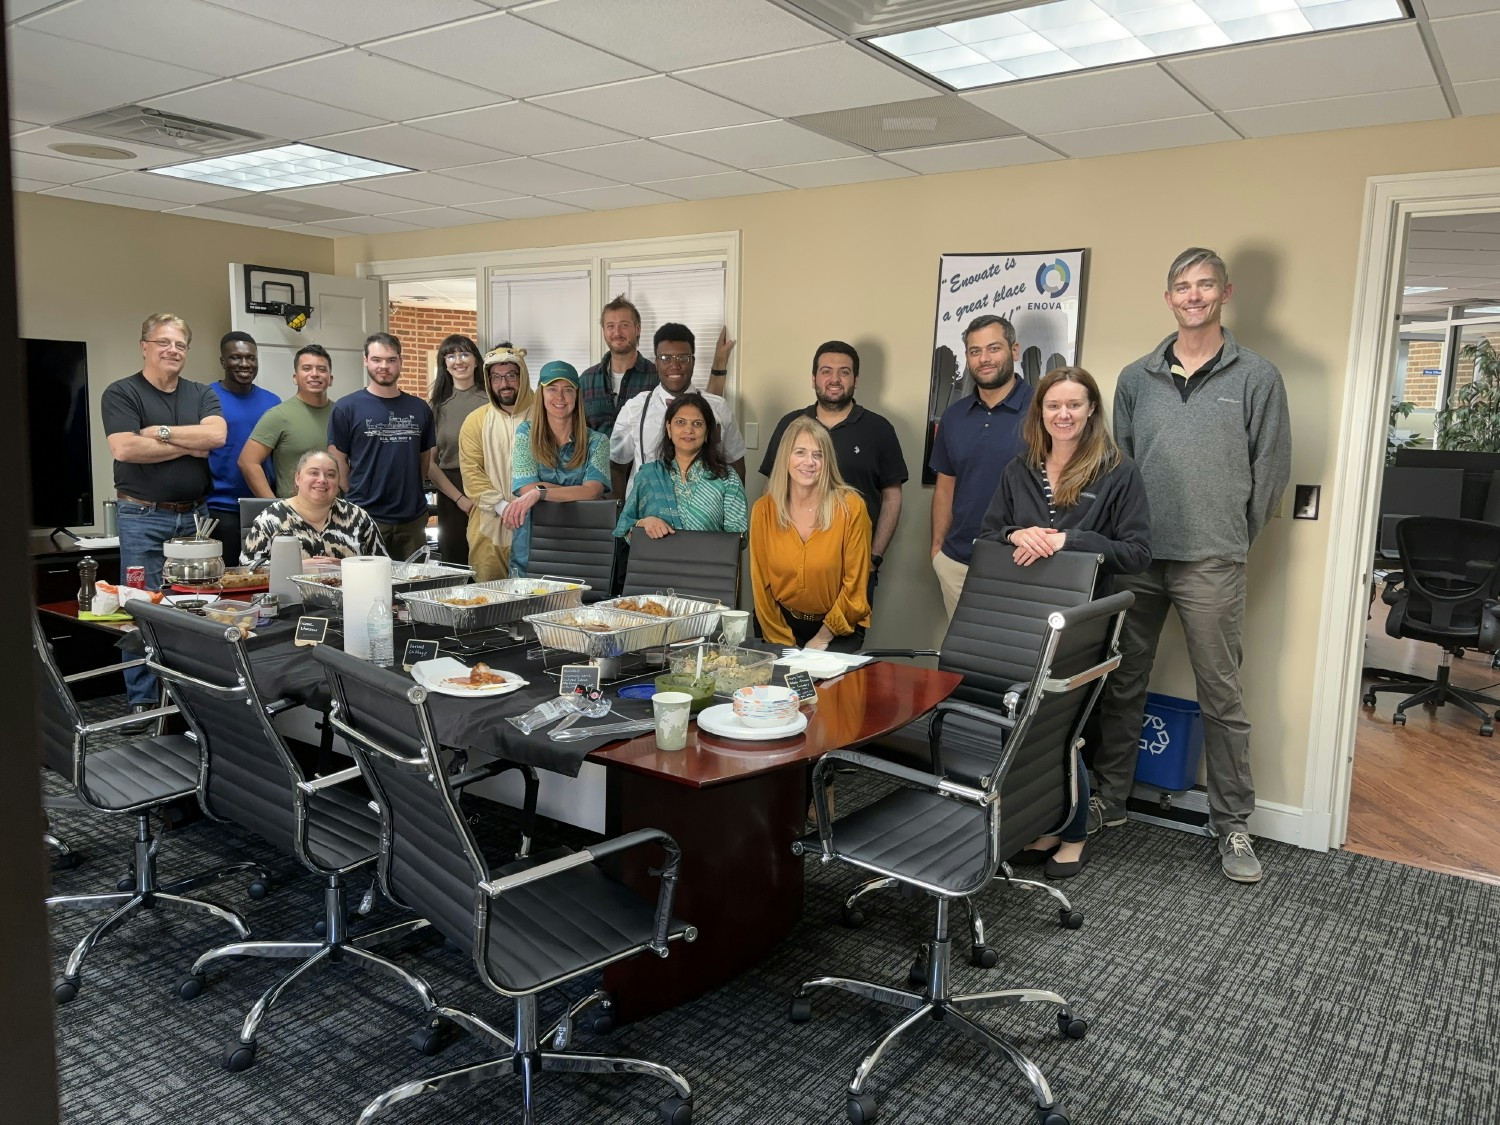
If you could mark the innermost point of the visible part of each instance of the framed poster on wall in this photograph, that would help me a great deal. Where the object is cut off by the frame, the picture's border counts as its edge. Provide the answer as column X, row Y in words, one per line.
column 1039, row 292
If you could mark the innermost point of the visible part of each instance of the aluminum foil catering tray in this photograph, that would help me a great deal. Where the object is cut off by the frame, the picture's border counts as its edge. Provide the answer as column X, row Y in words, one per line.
column 598, row 633
column 506, row 601
column 686, row 618
column 325, row 591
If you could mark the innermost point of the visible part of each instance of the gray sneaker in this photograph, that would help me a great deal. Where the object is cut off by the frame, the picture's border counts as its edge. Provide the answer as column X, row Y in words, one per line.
column 1104, row 815
column 1237, row 856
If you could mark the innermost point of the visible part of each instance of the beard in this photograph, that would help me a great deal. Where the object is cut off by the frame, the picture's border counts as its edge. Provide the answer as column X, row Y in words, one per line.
column 835, row 402
column 999, row 379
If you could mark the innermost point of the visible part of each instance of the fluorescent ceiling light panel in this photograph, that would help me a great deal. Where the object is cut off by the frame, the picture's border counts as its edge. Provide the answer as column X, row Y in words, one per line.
column 1070, row 35
column 1413, row 290
column 271, row 169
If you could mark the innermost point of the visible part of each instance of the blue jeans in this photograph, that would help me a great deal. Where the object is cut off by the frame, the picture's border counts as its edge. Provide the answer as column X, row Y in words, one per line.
column 1077, row 829
column 143, row 530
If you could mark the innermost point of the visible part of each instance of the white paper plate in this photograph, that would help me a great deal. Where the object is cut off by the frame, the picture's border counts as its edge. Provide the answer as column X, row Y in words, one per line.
column 722, row 721
column 819, row 667
column 434, row 674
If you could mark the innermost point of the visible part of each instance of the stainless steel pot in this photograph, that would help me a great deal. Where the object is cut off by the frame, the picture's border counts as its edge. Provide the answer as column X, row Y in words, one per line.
column 192, row 559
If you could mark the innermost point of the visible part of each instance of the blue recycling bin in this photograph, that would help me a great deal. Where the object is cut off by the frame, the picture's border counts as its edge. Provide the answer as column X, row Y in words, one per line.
column 1171, row 742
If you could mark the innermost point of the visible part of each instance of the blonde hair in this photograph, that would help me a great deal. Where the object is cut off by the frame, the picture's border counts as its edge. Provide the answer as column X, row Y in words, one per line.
column 544, row 447
column 830, row 487
column 156, row 320
column 1096, row 453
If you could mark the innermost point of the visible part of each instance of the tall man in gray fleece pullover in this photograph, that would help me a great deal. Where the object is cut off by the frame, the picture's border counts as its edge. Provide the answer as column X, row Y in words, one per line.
column 1206, row 422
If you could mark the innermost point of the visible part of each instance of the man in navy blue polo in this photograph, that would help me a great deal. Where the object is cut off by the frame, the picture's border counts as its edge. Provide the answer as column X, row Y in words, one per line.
column 976, row 438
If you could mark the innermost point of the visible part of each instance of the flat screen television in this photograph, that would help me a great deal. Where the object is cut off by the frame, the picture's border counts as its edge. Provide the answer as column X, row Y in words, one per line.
column 57, row 407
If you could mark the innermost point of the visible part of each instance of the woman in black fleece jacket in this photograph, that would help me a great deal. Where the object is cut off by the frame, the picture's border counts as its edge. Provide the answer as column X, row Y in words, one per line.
column 1071, row 489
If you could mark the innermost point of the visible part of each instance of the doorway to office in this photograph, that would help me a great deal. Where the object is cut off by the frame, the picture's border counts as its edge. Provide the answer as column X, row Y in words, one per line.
column 1421, row 793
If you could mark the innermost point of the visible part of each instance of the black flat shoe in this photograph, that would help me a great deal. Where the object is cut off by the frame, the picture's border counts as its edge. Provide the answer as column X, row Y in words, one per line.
column 1033, row 857
column 1056, row 870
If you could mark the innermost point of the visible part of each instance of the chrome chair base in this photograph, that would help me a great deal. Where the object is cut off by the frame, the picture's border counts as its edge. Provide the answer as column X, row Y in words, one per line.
column 141, row 891
column 526, row 1059
column 934, row 1003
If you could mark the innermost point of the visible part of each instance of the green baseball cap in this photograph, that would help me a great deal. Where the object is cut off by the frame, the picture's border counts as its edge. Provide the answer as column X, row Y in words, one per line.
column 558, row 369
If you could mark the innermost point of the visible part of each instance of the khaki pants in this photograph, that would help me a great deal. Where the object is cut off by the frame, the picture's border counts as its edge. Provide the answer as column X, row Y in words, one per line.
column 950, row 576
column 1209, row 597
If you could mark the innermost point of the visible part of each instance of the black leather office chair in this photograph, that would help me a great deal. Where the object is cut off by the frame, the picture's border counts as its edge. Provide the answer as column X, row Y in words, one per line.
column 254, row 781
column 250, row 508
column 694, row 564
column 1447, row 595
column 575, row 540
column 530, row 925
column 993, row 641
column 948, row 839
column 134, row 778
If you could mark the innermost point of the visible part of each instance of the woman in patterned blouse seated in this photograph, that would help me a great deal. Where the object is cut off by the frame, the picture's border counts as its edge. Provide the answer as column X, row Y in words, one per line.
column 328, row 526
column 689, row 486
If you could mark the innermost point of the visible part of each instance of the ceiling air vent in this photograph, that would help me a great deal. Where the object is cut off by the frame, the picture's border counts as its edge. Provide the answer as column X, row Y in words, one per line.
column 140, row 125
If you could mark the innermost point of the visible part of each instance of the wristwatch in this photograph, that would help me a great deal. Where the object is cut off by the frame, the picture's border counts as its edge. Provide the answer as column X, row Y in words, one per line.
column 542, row 488
column 718, row 371
column 164, row 434
column 875, row 561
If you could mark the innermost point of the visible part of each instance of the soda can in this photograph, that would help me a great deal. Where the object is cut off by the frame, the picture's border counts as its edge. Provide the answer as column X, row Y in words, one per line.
column 135, row 576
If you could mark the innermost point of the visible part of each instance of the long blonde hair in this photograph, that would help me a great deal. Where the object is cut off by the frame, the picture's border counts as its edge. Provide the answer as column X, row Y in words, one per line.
column 544, row 447
column 1097, row 452
column 830, row 487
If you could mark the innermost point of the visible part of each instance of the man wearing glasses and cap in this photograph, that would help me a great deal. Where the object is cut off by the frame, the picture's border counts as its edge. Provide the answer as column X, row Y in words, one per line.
column 486, row 446
column 637, row 434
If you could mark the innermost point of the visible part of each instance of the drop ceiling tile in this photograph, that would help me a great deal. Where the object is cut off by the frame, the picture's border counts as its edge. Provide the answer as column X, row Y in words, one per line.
column 212, row 39
column 528, row 177
column 53, row 169
column 999, row 153
column 19, row 127
column 152, row 185
column 1089, row 100
column 54, row 79
column 824, row 173
column 1470, row 45
column 370, row 84
column 433, row 217
column 29, row 185
column 411, row 148
column 40, row 141
column 702, row 31
column 1441, row 9
column 1478, row 97
column 1388, row 107
column 519, row 127
column 760, row 144
column 280, row 210
column 308, row 228
column 347, row 197
column 610, row 198
column 716, row 187
column 1140, row 136
column 219, row 215
column 434, row 190
column 510, row 56
column 368, row 225
column 811, row 80
column 277, row 115
column 920, row 123
column 357, row 21
column 647, row 107
column 635, row 161
column 90, row 195
column 16, row 9
column 522, row 207
column 1319, row 66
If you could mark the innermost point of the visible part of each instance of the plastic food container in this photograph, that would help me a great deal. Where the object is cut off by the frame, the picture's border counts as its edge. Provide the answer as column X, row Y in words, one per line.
column 239, row 614
column 730, row 666
column 765, row 705
column 701, row 688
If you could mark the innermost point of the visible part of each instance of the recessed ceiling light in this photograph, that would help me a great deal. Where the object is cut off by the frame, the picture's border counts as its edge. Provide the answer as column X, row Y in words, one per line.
column 289, row 166
column 1487, row 309
column 1068, row 35
column 1414, row 290
column 93, row 152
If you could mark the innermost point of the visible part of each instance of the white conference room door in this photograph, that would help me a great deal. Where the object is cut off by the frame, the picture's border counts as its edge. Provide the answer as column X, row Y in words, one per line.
column 345, row 311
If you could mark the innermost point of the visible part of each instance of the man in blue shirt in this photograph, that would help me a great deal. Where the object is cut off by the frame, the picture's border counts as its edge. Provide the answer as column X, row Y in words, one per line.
column 976, row 438
column 243, row 403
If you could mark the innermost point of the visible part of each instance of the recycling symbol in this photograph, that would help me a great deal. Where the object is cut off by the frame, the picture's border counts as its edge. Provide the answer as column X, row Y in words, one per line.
column 1154, row 736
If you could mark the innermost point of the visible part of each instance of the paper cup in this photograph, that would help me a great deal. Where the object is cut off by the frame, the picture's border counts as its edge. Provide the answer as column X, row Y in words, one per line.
column 736, row 625
column 671, row 709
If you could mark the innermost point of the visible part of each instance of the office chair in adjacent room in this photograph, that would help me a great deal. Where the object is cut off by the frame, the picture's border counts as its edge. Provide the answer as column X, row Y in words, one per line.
column 575, row 540
column 255, row 782
column 692, row 564
column 1406, row 491
column 132, row 778
column 948, row 839
column 530, row 925
column 250, row 509
column 1450, row 578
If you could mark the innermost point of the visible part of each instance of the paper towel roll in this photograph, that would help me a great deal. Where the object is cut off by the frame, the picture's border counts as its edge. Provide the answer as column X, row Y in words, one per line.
column 286, row 560
column 366, row 580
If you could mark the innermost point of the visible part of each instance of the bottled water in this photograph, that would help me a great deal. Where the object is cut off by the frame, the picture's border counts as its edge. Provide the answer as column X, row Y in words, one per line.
column 380, row 626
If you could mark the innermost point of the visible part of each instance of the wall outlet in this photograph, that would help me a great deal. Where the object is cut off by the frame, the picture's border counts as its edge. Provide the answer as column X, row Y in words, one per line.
column 752, row 435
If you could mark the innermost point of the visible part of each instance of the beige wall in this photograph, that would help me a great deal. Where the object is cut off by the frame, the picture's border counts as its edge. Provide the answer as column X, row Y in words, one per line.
column 90, row 272
column 858, row 262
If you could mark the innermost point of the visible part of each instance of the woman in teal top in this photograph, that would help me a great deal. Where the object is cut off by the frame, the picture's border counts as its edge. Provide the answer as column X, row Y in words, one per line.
column 689, row 487
column 556, row 458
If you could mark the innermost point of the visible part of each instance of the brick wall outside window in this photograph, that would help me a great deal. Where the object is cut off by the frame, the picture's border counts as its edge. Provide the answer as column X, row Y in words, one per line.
column 421, row 328
column 1422, row 390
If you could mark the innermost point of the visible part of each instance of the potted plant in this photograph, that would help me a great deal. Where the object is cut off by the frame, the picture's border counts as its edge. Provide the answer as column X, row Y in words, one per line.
column 1400, row 439
column 1471, row 420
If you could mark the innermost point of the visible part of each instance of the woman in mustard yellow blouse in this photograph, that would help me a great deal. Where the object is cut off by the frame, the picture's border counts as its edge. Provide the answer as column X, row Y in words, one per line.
column 810, row 548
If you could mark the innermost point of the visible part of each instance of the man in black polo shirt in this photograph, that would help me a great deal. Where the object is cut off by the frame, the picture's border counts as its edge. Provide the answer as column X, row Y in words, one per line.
column 868, row 452
column 161, row 429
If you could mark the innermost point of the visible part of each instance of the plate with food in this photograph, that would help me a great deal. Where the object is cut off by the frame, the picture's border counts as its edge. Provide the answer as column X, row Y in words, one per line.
column 448, row 676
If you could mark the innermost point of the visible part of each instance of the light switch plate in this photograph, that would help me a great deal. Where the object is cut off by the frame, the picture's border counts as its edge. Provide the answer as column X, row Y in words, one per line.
column 752, row 435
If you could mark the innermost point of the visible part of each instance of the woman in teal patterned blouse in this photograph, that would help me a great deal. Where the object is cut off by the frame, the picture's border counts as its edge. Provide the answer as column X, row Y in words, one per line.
column 689, row 487
column 555, row 458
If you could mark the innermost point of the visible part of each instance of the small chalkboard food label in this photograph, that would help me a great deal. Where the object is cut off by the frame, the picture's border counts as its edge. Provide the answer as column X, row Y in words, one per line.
column 802, row 684
column 575, row 676
column 417, row 651
column 310, row 631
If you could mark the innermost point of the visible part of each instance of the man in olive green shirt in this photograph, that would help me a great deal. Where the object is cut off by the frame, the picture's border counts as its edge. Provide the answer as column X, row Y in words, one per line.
column 285, row 432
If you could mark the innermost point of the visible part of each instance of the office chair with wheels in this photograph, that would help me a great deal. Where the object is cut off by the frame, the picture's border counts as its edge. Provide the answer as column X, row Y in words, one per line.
column 250, row 509
column 1450, row 579
column 530, row 925
column 948, row 839
column 694, row 564
column 575, row 540
column 255, row 782
column 132, row 778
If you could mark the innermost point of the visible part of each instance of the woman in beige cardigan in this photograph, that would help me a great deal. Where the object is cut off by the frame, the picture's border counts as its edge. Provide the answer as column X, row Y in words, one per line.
column 484, row 458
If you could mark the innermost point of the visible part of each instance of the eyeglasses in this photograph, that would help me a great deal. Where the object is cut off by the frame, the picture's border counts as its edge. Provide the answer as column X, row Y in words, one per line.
column 675, row 360
column 505, row 377
column 167, row 345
